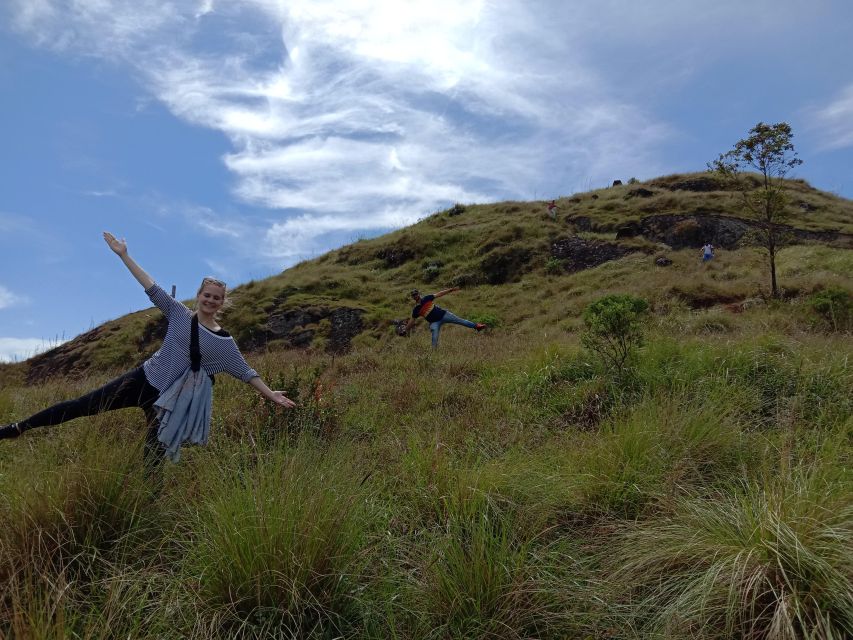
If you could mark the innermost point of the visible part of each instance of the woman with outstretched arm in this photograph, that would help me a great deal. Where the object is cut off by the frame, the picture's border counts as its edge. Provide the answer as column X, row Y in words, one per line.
column 146, row 385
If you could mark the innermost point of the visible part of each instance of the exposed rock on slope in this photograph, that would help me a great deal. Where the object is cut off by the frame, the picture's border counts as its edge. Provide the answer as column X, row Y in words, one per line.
column 298, row 326
column 576, row 253
column 694, row 230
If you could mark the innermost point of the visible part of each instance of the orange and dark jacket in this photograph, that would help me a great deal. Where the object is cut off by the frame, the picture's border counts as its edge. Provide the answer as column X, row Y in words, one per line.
column 428, row 310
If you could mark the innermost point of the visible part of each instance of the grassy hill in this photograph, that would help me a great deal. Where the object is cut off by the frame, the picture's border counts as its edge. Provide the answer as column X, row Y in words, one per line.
column 507, row 485
column 511, row 244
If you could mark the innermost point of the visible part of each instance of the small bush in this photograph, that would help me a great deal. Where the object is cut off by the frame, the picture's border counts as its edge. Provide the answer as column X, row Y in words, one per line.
column 614, row 328
column 465, row 280
column 431, row 272
column 479, row 579
column 488, row 319
column 833, row 307
column 554, row 266
column 314, row 413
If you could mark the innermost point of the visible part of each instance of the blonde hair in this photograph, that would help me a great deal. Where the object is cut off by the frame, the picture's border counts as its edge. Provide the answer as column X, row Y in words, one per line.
column 226, row 301
column 210, row 280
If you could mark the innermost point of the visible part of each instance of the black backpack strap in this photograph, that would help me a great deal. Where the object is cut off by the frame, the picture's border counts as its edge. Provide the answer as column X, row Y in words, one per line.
column 195, row 352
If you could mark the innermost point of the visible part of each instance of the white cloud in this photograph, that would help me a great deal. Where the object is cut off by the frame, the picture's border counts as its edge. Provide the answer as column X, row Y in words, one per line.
column 834, row 122
column 348, row 115
column 9, row 299
column 18, row 349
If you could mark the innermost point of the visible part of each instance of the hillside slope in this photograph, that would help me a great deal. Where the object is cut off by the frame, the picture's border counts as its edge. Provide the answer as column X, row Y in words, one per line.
column 501, row 254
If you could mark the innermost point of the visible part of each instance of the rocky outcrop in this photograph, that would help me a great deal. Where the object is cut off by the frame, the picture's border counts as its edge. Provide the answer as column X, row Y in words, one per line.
column 684, row 231
column 395, row 256
column 582, row 223
column 297, row 327
column 695, row 230
column 152, row 334
column 630, row 230
column 576, row 254
column 702, row 184
column 505, row 265
column 639, row 192
column 346, row 324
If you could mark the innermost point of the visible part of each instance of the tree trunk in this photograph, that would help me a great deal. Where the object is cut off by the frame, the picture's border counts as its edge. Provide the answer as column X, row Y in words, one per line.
column 771, row 249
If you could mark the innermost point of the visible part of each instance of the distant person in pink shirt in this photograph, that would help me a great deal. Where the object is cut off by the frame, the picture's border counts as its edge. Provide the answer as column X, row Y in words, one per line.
column 552, row 209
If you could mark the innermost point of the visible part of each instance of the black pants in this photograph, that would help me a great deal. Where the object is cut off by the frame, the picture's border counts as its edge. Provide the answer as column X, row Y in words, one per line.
column 129, row 390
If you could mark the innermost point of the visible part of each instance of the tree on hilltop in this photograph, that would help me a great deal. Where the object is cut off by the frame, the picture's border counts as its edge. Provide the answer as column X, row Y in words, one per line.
column 769, row 151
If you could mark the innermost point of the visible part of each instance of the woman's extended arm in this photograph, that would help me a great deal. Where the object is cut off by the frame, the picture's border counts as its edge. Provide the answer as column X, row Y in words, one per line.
column 277, row 397
column 120, row 249
column 446, row 291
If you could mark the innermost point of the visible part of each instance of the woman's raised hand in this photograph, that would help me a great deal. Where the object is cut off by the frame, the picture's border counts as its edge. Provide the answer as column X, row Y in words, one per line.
column 118, row 246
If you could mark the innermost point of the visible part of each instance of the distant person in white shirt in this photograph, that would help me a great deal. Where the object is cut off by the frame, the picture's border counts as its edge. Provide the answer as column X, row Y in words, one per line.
column 707, row 252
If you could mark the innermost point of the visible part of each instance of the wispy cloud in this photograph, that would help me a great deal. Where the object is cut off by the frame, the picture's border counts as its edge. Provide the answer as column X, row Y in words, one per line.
column 18, row 349
column 347, row 116
column 9, row 299
column 833, row 123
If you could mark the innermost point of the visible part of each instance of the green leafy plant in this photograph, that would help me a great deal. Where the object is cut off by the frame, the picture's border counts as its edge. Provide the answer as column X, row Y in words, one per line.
column 614, row 328
column 431, row 272
column 489, row 319
column 834, row 307
column 554, row 266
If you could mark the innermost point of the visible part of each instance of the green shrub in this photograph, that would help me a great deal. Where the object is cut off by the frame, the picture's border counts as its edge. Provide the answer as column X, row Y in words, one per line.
column 431, row 271
column 554, row 266
column 465, row 280
column 489, row 319
column 55, row 517
column 614, row 328
column 833, row 307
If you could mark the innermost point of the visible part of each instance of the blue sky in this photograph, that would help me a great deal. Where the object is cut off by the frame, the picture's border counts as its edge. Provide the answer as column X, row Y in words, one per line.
column 235, row 138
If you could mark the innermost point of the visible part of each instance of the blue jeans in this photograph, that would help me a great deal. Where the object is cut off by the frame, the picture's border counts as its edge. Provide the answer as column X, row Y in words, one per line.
column 448, row 318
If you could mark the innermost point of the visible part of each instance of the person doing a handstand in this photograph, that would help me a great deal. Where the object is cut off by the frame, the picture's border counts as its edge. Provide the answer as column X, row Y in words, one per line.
column 426, row 308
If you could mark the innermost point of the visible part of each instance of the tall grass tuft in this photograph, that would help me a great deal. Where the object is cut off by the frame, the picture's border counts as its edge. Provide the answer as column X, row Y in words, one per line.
column 65, row 524
column 480, row 579
column 767, row 560
column 53, row 510
column 276, row 543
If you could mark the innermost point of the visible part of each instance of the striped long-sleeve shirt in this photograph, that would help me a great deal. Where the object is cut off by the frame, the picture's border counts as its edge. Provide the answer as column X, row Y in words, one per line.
column 218, row 352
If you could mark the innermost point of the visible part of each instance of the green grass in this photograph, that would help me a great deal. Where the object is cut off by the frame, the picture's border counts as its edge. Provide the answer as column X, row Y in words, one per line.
column 768, row 559
column 506, row 485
